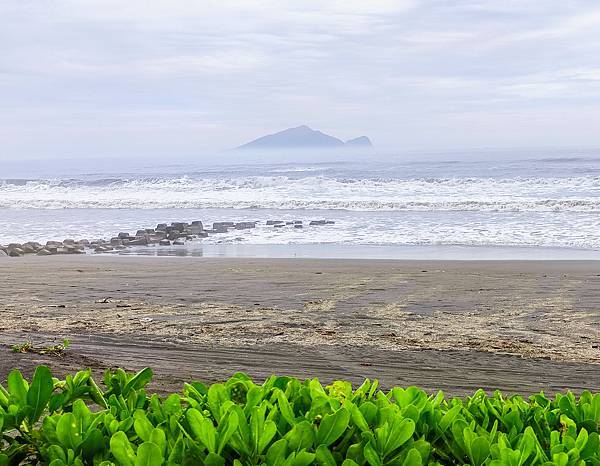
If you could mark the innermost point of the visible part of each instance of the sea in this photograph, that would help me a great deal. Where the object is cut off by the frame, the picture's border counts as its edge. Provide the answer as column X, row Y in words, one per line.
column 472, row 205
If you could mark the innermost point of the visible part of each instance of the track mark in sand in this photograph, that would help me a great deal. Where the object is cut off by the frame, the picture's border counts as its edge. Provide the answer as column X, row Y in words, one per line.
column 547, row 327
column 366, row 308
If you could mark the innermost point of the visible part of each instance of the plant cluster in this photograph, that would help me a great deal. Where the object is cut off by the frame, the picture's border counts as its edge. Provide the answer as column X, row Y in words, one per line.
column 285, row 422
column 52, row 350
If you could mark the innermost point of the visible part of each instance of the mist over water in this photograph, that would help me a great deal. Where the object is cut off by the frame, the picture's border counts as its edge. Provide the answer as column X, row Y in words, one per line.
column 541, row 201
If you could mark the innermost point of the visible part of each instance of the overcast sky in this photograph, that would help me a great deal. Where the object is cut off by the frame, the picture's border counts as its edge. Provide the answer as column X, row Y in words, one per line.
column 147, row 77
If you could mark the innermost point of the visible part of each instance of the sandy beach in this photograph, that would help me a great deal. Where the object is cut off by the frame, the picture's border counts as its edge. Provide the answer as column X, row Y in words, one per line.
column 517, row 326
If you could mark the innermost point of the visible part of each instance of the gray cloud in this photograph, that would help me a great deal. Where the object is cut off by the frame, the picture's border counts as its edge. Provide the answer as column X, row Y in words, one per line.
column 105, row 77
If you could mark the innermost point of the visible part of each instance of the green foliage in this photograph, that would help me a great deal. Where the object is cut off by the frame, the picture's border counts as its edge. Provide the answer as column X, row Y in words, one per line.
column 285, row 422
column 52, row 350
column 24, row 347
column 56, row 350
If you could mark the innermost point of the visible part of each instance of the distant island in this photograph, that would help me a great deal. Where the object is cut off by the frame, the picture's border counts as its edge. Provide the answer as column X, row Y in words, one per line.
column 303, row 137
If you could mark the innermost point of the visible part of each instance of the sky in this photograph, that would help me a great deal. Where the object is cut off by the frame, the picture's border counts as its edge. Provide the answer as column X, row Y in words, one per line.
column 137, row 78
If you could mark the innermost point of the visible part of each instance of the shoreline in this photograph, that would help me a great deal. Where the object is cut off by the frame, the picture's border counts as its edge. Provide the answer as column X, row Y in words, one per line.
column 333, row 251
column 519, row 325
column 320, row 251
column 354, row 234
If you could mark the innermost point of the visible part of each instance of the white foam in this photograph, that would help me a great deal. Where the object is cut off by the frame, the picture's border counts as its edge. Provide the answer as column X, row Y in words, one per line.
column 545, row 229
column 512, row 211
column 574, row 194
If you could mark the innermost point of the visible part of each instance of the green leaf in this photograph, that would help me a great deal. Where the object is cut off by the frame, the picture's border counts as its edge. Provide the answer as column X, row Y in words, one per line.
column 227, row 428
column 176, row 455
column 4, row 395
column 374, row 386
column 332, row 427
column 480, row 450
column 303, row 458
column 285, row 408
column 93, row 443
column 57, row 462
column 56, row 452
column 138, row 381
column 269, row 431
column 369, row 411
column 413, row 458
column 217, row 396
column 316, row 389
column 203, row 429
column 448, row 418
column 581, row 440
column 82, row 413
column 560, row 459
column 457, row 430
column 276, row 452
column 39, row 392
column 253, row 397
column 407, row 396
column 371, row 455
column 262, row 431
column 527, row 444
column 18, row 387
column 591, row 447
column 424, row 449
column 400, row 431
column 148, row 454
column 121, row 449
column 357, row 417
column 302, row 436
column 158, row 437
column 143, row 427
column 68, row 431
column 324, row 457
column 212, row 459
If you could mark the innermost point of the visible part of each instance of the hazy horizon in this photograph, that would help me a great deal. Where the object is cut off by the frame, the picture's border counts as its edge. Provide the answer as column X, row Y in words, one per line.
column 103, row 78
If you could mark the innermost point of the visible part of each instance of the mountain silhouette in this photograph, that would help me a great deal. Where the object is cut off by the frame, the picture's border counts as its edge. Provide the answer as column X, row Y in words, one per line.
column 303, row 137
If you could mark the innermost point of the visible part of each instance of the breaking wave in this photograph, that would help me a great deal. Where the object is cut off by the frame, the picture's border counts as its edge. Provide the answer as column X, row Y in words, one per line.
column 577, row 194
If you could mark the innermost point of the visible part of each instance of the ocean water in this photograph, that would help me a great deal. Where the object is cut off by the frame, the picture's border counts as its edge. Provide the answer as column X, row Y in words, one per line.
column 527, row 203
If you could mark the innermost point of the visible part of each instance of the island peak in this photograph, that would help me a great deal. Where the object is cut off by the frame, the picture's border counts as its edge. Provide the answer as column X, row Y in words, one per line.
column 302, row 137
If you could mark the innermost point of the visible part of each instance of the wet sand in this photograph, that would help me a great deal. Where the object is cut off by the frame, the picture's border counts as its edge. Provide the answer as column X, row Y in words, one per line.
column 517, row 326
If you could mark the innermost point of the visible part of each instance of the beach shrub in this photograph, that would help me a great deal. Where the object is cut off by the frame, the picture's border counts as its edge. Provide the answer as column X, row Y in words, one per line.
column 285, row 422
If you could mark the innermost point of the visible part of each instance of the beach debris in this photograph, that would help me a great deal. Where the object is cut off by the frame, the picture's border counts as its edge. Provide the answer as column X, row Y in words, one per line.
column 24, row 347
column 56, row 350
column 52, row 350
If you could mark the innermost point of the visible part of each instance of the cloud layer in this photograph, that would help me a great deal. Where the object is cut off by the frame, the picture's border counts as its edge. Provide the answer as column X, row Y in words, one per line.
column 106, row 77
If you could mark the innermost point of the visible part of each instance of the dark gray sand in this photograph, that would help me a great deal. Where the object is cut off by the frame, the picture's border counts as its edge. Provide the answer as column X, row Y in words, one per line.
column 457, row 326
